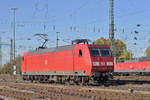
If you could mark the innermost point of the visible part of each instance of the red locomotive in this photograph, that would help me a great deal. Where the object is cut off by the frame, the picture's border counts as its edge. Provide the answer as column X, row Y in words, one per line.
column 140, row 66
column 76, row 63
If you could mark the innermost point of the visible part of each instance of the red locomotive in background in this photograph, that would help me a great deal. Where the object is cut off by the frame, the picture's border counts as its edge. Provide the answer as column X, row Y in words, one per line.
column 136, row 66
column 76, row 63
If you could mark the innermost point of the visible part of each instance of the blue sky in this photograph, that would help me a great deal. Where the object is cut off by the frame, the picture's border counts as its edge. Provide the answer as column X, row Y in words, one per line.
column 88, row 19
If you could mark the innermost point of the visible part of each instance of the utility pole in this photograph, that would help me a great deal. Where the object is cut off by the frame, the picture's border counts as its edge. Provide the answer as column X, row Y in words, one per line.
column 11, row 55
column 111, row 26
column 57, row 39
column 14, row 32
column 44, row 26
column 0, row 53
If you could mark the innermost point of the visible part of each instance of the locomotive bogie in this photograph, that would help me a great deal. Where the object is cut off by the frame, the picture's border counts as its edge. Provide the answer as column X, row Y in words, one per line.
column 75, row 80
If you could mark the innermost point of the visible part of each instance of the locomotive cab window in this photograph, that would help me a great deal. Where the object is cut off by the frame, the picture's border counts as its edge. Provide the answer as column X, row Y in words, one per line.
column 105, row 52
column 97, row 52
column 80, row 53
column 94, row 52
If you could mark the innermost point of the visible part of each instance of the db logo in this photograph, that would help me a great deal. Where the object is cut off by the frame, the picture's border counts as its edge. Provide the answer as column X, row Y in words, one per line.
column 46, row 62
column 131, row 66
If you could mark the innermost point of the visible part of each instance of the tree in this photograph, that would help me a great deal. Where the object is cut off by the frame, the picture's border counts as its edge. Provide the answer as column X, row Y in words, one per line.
column 6, row 68
column 147, row 52
column 102, row 41
column 126, row 55
column 119, row 45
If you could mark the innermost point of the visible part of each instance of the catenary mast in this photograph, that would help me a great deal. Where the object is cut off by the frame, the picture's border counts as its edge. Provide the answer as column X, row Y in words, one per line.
column 111, row 26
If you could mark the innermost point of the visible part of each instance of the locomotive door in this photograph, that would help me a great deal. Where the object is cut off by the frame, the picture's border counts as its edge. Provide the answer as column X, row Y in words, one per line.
column 78, row 60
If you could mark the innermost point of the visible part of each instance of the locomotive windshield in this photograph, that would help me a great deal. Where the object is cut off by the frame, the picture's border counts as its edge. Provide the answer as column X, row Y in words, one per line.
column 97, row 52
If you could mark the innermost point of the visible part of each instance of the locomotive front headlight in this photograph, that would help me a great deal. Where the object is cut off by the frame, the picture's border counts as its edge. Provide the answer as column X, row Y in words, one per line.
column 95, row 63
column 109, row 63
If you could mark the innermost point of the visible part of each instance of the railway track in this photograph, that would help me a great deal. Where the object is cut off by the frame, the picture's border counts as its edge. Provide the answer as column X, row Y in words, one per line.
column 31, row 91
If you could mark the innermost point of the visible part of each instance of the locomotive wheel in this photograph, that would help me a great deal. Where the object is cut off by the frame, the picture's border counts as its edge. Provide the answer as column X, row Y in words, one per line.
column 67, row 83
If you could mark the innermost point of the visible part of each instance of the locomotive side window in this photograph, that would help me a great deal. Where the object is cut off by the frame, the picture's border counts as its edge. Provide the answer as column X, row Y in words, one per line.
column 80, row 53
column 22, row 58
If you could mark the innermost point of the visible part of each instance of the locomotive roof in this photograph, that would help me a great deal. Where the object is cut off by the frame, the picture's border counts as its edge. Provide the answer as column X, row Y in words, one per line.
column 60, row 48
column 142, row 59
column 95, row 45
